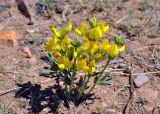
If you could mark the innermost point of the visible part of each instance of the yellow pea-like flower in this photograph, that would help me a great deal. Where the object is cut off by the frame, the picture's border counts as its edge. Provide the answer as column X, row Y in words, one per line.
column 61, row 66
column 104, row 46
column 81, row 64
column 65, row 43
column 121, row 50
column 93, row 47
column 55, row 31
column 83, row 28
column 68, row 27
column 50, row 46
column 86, row 44
column 67, row 62
column 92, row 63
column 103, row 26
column 99, row 57
column 95, row 33
column 78, row 32
column 56, row 54
column 92, row 66
column 113, row 51
column 64, row 60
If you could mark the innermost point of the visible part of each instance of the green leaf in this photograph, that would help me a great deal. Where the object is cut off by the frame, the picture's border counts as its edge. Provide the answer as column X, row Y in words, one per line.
column 45, row 73
column 92, row 22
column 76, row 43
column 106, row 77
column 50, row 59
column 52, row 63
column 119, row 40
column 104, row 83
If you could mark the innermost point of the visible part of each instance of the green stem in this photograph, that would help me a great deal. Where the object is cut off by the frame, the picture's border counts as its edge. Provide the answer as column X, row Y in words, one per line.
column 98, row 77
column 72, row 83
column 82, row 87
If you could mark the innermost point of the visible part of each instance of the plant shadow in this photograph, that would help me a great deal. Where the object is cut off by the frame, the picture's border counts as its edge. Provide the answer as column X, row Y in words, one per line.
column 46, row 98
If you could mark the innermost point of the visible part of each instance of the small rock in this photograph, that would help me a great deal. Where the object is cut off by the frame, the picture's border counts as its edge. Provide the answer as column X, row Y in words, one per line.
column 121, row 65
column 33, row 60
column 119, row 112
column 140, row 80
column 28, row 8
column 89, row 101
column 9, row 37
column 127, row 71
column 111, row 111
column 59, row 8
column 26, row 52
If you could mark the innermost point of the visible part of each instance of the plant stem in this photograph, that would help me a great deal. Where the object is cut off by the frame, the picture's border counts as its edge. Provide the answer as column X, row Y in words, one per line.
column 82, row 87
column 72, row 82
column 98, row 77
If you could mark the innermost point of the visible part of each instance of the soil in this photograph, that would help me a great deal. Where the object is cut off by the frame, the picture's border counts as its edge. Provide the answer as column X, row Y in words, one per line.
column 138, row 21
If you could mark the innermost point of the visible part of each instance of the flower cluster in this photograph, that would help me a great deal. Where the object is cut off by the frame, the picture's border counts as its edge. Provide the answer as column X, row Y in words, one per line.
column 68, row 55
column 86, row 50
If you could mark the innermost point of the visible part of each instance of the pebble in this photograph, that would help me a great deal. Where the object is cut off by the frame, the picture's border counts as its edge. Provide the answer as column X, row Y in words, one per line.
column 111, row 111
column 121, row 65
column 26, row 52
column 140, row 80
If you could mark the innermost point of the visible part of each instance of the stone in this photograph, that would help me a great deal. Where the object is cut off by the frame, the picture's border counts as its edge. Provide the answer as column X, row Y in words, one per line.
column 121, row 65
column 26, row 52
column 58, row 7
column 140, row 80
column 27, row 8
column 119, row 112
column 111, row 111
column 8, row 36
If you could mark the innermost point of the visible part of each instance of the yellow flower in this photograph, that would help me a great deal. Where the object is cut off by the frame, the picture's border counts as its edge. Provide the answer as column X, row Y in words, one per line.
column 78, row 32
column 121, row 50
column 92, row 66
column 95, row 33
column 61, row 66
column 99, row 57
column 93, row 47
column 50, row 46
column 68, row 28
column 112, row 51
column 103, row 26
column 82, row 30
column 65, row 43
column 55, row 31
column 65, row 61
column 56, row 54
column 90, row 46
column 81, row 64
column 86, row 43
column 104, row 46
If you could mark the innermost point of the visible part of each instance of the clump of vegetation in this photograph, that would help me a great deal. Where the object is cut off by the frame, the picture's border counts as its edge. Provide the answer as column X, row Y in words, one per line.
column 4, row 8
column 3, row 108
column 45, row 6
column 68, row 57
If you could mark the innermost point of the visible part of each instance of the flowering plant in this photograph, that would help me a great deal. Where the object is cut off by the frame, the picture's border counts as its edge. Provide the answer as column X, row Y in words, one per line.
column 68, row 57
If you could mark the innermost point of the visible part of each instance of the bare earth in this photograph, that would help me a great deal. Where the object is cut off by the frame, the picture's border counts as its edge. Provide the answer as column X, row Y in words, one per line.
column 23, row 91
